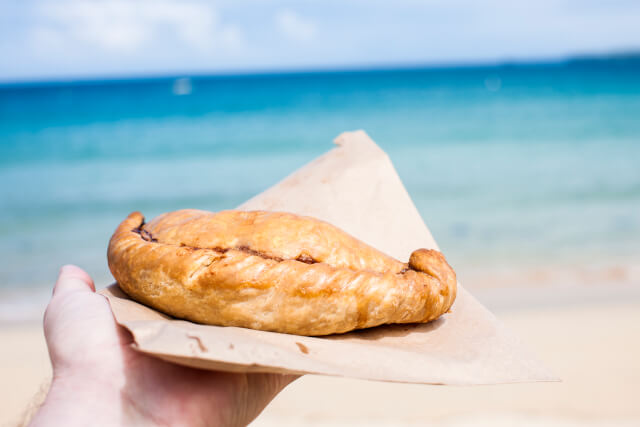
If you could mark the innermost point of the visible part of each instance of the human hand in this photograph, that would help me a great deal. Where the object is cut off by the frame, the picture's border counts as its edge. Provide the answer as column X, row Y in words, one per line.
column 98, row 379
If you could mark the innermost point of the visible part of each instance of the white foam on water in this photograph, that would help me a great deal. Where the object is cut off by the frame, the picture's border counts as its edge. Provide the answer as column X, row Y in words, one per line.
column 23, row 306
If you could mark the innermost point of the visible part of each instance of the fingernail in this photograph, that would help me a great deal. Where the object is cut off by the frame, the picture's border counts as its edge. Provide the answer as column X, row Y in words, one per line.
column 72, row 274
column 69, row 269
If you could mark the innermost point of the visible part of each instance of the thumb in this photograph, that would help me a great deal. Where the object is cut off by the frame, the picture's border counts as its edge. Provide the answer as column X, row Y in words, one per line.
column 74, row 317
column 72, row 278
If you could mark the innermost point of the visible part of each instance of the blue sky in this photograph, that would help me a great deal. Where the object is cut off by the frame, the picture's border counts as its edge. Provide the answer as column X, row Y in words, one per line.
column 60, row 39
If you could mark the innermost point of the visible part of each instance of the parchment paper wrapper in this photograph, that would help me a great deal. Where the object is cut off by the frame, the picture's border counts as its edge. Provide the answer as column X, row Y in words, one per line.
column 356, row 188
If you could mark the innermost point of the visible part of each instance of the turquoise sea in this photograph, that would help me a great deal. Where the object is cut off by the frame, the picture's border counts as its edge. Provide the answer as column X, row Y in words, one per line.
column 529, row 168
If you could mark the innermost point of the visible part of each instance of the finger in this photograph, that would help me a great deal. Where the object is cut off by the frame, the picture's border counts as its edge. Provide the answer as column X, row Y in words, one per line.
column 73, row 278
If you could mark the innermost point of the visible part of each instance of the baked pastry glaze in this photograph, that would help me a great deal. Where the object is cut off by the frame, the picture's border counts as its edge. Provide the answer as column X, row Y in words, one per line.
column 273, row 271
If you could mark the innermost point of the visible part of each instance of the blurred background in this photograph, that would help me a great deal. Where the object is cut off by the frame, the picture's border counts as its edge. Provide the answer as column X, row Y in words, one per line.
column 515, row 128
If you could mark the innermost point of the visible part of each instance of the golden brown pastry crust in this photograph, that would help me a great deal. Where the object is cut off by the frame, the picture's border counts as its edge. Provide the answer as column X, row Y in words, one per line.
column 273, row 271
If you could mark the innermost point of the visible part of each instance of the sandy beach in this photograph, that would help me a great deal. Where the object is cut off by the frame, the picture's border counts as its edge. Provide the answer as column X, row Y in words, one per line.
column 591, row 343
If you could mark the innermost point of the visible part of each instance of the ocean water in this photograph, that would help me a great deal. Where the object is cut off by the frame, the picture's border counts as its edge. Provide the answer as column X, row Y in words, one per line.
column 519, row 171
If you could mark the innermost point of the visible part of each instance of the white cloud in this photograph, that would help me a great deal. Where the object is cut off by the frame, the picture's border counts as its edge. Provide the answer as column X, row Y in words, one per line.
column 295, row 26
column 231, row 36
column 128, row 26
column 44, row 39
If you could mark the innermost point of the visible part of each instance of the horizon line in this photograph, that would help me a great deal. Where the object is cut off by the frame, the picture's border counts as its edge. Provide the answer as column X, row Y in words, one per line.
column 616, row 56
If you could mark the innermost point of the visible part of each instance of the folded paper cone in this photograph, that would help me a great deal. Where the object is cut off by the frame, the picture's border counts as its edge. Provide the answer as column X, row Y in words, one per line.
column 356, row 188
